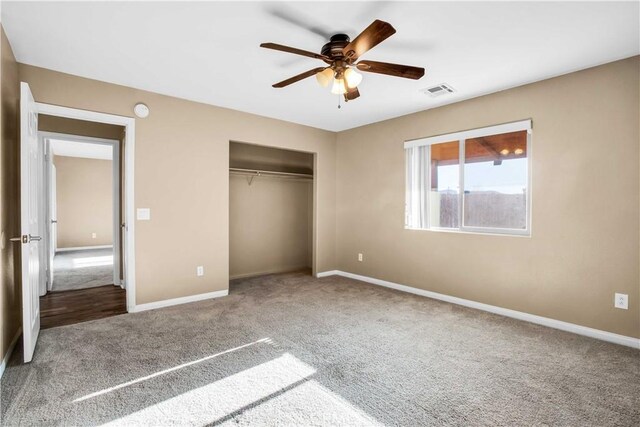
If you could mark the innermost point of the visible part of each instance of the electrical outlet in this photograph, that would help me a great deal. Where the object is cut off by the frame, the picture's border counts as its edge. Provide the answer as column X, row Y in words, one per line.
column 199, row 270
column 621, row 301
column 360, row 257
column 94, row 235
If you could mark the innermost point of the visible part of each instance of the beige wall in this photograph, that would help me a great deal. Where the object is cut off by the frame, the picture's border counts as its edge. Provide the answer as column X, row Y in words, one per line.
column 585, row 219
column 181, row 174
column 79, row 127
column 268, row 225
column 84, row 195
column 10, row 290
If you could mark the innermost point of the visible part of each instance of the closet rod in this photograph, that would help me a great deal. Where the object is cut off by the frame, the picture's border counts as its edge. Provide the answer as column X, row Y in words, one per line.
column 257, row 172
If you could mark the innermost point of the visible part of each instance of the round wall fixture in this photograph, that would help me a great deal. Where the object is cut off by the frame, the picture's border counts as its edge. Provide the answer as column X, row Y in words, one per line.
column 141, row 110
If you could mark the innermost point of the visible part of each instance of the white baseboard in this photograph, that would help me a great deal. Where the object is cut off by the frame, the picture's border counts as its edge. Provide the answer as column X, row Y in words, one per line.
column 181, row 300
column 265, row 273
column 329, row 273
column 83, row 248
column 544, row 321
column 10, row 349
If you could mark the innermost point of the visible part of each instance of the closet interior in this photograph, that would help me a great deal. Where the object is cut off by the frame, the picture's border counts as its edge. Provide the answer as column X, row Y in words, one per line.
column 270, row 210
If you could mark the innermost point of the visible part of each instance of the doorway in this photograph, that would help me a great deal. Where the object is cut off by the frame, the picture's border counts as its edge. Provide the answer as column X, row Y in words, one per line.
column 82, row 180
column 82, row 221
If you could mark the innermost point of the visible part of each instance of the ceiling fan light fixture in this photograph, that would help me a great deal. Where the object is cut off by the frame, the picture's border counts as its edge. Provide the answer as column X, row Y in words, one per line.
column 338, row 87
column 324, row 77
column 352, row 77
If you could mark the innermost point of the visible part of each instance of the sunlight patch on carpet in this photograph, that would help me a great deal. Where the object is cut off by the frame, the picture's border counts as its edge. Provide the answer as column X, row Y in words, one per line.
column 229, row 395
column 166, row 371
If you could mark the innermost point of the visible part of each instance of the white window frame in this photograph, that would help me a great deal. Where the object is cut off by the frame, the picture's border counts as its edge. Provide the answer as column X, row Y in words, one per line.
column 461, row 137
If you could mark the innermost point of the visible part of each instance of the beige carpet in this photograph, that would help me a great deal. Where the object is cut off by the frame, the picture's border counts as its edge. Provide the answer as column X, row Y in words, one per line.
column 294, row 350
column 82, row 269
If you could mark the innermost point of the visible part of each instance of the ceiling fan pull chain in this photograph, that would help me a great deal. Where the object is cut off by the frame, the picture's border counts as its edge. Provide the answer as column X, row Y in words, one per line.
column 339, row 106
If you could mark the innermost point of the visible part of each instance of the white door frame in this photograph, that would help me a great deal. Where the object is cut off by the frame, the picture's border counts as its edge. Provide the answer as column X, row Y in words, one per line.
column 45, row 138
column 52, row 213
column 129, row 124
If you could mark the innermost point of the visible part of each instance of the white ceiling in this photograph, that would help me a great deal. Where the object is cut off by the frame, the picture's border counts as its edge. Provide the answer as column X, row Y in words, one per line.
column 61, row 147
column 209, row 52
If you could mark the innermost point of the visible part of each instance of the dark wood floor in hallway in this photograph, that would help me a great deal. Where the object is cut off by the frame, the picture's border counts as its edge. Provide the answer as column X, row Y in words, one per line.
column 68, row 307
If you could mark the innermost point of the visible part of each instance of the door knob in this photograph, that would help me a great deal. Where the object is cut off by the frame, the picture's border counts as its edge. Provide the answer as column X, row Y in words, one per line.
column 26, row 238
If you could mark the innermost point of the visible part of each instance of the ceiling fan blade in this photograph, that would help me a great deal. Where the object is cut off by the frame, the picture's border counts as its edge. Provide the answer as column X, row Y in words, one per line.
column 299, row 77
column 299, row 20
column 373, row 35
column 351, row 94
column 396, row 70
column 294, row 50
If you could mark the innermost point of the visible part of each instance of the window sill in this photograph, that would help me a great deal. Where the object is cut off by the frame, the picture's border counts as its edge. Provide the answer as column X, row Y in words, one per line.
column 526, row 234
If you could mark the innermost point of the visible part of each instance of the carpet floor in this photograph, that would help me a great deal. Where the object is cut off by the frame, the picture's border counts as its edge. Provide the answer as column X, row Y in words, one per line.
column 294, row 350
column 82, row 269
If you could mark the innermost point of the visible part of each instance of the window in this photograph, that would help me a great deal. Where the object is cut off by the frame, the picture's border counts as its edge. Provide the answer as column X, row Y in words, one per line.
column 475, row 180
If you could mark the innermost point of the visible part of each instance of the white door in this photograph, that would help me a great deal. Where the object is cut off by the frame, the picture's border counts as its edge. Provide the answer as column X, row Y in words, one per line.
column 30, row 164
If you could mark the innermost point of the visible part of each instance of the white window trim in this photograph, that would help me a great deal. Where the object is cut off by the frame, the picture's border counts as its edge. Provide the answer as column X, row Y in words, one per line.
column 472, row 133
column 461, row 137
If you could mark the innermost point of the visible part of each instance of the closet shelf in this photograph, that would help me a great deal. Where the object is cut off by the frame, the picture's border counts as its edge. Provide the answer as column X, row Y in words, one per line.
column 258, row 172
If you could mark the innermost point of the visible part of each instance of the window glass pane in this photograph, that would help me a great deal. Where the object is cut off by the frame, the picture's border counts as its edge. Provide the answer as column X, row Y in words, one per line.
column 445, row 185
column 495, row 181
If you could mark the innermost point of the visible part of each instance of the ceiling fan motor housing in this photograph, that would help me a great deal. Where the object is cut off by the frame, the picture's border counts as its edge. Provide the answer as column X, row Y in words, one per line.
column 333, row 49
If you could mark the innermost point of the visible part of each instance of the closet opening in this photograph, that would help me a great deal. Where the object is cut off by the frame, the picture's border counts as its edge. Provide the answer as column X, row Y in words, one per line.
column 271, row 211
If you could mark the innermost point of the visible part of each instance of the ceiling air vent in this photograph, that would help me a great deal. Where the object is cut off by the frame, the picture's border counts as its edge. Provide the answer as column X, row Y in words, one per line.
column 441, row 89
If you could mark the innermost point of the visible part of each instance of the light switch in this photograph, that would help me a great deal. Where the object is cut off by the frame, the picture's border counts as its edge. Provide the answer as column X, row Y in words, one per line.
column 143, row 214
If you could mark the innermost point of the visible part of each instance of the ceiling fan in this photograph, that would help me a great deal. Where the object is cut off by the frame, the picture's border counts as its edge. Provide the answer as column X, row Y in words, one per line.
column 341, row 55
